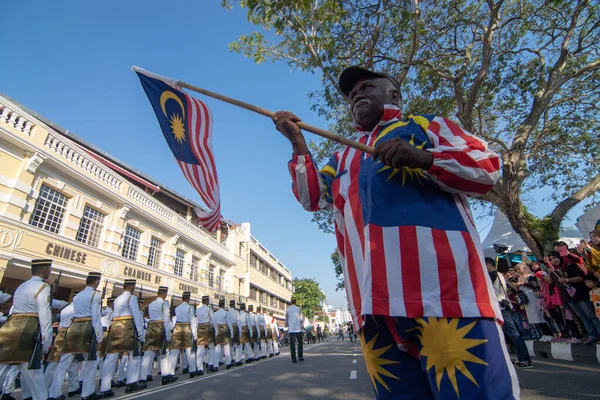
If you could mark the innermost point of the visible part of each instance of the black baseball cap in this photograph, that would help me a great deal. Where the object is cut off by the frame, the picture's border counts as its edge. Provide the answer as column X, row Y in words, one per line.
column 353, row 74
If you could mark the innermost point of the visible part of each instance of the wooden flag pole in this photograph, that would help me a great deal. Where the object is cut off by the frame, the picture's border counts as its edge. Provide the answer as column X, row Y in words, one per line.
column 267, row 113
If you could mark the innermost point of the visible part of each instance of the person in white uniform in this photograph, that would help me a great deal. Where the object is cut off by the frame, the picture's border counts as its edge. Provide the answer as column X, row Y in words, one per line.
column 275, row 327
column 157, row 335
column 223, row 335
column 127, row 328
column 106, row 320
column 206, row 337
column 293, row 320
column 255, row 333
column 261, row 327
column 234, row 330
column 245, row 333
column 31, row 317
column 183, row 335
column 83, row 330
column 52, row 371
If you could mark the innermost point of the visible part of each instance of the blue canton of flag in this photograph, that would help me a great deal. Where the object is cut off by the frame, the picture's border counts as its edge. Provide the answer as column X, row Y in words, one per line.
column 407, row 196
column 186, row 124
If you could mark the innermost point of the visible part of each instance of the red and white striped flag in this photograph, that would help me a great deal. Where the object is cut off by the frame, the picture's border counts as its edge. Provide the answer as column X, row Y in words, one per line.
column 186, row 124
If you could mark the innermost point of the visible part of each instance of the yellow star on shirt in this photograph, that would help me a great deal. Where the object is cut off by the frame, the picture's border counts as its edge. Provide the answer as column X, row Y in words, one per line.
column 413, row 173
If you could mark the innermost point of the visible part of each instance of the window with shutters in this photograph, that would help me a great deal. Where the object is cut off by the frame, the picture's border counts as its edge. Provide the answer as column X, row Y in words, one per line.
column 131, row 243
column 155, row 253
column 49, row 209
column 179, row 262
column 194, row 269
column 90, row 226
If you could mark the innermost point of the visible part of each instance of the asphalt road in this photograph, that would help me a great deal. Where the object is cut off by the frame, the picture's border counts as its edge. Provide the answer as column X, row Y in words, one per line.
column 337, row 371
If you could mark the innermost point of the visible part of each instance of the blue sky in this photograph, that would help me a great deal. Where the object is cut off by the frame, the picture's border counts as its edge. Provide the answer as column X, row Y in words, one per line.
column 70, row 61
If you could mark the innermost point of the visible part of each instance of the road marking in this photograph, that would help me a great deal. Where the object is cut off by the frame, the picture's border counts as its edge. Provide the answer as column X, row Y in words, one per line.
column 352, row 374
column 581, row 368
column 353, row 361
column 150, row 391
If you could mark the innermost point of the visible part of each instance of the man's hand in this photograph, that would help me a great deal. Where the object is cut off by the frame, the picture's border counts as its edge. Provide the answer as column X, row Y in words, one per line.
column 562, row 280
column 397, row 153
column 285, row 122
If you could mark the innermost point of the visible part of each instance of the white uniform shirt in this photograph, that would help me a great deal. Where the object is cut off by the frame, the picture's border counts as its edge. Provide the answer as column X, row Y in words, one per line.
column 293, row 319
column 26, row 301
column 274, row 325
column 58, row 304
column 4, row 297
column 204, row 314
column 87, row 304
column 262, row 321
column 185, row 313
column 219, row 318
column 243, row 320
column 127, row 305
column 252, row 320
column 66, row 316
column 159, row 310
column 232, row 318
column 107, row 316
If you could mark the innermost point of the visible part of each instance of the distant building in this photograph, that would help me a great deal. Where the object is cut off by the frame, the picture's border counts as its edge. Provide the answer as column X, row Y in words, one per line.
column 342, row 315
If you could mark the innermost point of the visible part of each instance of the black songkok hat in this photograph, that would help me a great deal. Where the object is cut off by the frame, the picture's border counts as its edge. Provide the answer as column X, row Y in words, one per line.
column 41, row 263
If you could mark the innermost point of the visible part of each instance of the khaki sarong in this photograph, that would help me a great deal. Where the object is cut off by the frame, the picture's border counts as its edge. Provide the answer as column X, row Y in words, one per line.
column 78, row 338
column 155, row 334
column 17, row 338
column 223, row 334
column 121, row 335
column 245, row 335
column 57, row 346
column 205, row 334
column 236, row 335
column 254, row 337
column 182, row 336
column 276, row 334
column 269, row 333
column 263, row 333
column 102, row 346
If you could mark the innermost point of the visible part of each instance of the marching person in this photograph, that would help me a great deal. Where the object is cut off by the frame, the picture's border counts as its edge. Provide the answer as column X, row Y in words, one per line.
column 126, row 334
column 261, row 326
column 402, row 213
column 183, row 334
column 52, row 371
column 275, row 329
column 158, row 335
column 83, row 333
column 293, row 321
column 30, row 322
column 107, row 316
column 223, row 334
column 254, row 333
column 269, row 329
column 245, row 333
column 206, row 337
column 232, row 323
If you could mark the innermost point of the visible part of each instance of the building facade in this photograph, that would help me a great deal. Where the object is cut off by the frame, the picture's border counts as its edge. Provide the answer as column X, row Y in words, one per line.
column 259, row 275
column 64, row 199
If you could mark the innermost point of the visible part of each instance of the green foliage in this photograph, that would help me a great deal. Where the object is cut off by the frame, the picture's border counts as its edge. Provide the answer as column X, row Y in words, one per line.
column 522, row 74
column 543, row 229
column 309, row 296
column 339, row 271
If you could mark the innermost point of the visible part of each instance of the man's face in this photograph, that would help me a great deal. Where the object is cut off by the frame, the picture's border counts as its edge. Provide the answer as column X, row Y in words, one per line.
column 490, row 267
column 368, row 98
column 46, row 273
column 554, row 261
column 595, row 239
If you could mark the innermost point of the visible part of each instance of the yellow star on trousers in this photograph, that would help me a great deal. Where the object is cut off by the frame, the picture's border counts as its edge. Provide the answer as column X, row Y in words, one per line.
column 375, row 363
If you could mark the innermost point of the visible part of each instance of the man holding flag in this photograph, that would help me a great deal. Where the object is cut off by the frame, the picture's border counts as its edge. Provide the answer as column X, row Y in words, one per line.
column 413, row 264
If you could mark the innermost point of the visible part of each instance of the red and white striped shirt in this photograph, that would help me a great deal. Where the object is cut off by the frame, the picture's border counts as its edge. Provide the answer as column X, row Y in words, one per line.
column 406, row 238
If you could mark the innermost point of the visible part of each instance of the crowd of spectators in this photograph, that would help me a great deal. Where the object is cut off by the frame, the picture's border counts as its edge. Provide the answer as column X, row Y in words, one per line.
column 557, row 300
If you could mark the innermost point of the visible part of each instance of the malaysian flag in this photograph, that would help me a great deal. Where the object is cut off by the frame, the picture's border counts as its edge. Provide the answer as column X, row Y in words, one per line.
column 186, row 124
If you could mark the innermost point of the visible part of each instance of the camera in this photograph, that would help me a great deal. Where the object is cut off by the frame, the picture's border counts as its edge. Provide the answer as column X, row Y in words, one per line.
column 505, row 305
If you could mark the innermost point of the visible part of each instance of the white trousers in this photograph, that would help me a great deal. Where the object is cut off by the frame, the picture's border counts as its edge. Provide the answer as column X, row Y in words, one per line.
column 72, row 375
column 32, row 379
column 188, row 360
column 248, row 351
column 202, row 351
column 223, row 349
column 236, row 352
column 148, row 361
column 110, row 364
column 270, row 346
column 276, row 346
column 122, row 369
column 263, row 348
column 9, row 379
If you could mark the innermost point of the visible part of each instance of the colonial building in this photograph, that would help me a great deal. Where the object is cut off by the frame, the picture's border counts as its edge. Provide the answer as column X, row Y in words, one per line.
column 64, row 199
column 258, row 274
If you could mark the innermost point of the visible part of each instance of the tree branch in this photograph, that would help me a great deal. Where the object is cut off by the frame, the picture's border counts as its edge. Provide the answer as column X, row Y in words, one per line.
column 568, row 203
